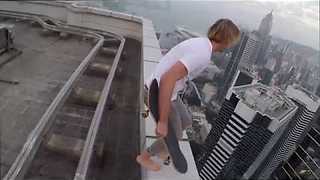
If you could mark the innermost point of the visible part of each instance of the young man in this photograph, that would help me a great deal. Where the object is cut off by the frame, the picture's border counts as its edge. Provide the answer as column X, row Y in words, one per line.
column 184, row 61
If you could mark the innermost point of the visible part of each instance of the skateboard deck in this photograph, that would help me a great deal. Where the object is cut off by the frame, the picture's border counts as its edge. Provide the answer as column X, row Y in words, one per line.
column 171, row 140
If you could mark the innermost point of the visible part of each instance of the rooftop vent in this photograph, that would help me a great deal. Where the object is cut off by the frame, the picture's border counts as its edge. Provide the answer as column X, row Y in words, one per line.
column 6, row 37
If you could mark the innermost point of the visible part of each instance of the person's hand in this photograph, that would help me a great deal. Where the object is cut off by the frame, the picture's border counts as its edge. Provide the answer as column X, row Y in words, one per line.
column 162, row 129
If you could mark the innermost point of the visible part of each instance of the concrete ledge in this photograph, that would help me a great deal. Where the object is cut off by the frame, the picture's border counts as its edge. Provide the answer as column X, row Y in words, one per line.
column 148, row 69
column 73, row 13
column 152, row 54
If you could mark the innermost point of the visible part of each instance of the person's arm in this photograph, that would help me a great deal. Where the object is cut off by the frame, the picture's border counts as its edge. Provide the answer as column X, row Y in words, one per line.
column 167, row 84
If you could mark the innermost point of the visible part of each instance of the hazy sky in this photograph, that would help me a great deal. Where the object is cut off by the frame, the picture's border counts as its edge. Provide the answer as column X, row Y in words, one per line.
column 293, row 20
column 296, row 20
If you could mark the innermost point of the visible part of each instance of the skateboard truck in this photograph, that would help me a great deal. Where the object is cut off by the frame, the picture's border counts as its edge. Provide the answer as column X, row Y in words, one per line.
column 167, row 161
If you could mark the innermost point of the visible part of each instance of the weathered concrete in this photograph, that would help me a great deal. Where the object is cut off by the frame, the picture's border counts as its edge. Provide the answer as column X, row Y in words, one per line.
column 74, row 13
column 41, row 70
column 123, row 129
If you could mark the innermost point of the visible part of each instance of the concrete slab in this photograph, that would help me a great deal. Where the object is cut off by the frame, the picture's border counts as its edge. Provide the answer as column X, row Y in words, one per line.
column 43, row 67
column 148, row 30
column 148, row 69
column 151, row 42
column 152, row 54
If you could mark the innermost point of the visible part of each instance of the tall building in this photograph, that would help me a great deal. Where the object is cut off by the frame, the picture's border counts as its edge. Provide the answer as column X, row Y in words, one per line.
column 251, row 120
column 251, row 48
column 266, row 76
column 235, row 57
column 266, row 25
column 318, row 90
column 264, row 34
column 298, row 126
column 279, row 54
column 261, row 58
column 257, row 45
column 250, row 52
column 232, row 66
column 304, row 163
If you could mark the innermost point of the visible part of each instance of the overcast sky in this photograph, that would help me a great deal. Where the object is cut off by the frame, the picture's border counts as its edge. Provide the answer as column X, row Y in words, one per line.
column 294, row 20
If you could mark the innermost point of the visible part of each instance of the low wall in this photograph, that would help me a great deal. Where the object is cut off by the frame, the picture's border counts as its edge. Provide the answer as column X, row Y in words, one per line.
column 74, row 13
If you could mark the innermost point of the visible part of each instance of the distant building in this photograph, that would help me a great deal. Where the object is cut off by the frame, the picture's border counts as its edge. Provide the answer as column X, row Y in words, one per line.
column 250, row 52
column 210, row 72
column 208, row 92
column 251, row 120
column 288, row 77
column 261, row 59
column 318, row 90
column 279, row 56
column 200, row 125
column 266, row 25
column 266, row 76
column 232, row 66
column 257, row 45
column 264, row 34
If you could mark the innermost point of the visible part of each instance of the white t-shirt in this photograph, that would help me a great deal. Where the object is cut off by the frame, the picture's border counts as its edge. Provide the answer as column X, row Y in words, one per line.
column 194, row 54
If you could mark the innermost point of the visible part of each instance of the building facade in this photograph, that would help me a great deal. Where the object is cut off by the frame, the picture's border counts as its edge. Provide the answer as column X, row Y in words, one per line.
column 295, row 131
column 251, row 120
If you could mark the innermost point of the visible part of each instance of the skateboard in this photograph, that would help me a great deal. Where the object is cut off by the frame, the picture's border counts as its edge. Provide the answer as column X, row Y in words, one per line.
column 178, row 159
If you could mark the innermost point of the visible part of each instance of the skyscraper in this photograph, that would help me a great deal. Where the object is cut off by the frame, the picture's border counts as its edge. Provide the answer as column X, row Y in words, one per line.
column 318, row 90
column 261, row 58
column 257, row 45
column 266, row 25
column 266, row 76
column 250, row 52
column 264, row 34
column 232, row 66
column 307, row 106
column 250, row 122
column 304, row 163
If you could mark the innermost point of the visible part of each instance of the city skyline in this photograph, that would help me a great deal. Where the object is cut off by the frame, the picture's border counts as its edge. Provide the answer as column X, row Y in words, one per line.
column 295, row 21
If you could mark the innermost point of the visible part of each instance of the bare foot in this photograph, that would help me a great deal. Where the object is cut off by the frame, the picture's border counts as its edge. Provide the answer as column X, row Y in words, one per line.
column 163, row 156
column 146, row 162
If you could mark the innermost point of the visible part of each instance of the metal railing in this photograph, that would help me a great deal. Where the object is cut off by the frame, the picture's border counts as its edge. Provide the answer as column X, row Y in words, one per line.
column 86, row 156
column 27, row 154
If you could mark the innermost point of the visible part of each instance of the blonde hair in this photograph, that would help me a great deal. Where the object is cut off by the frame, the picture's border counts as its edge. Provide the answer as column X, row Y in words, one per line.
column 224, row 31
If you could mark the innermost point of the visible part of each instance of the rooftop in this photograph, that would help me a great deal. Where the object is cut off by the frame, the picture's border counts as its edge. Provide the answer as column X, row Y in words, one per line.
column 267, row 100
column 311, row 101
column 69, row 112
